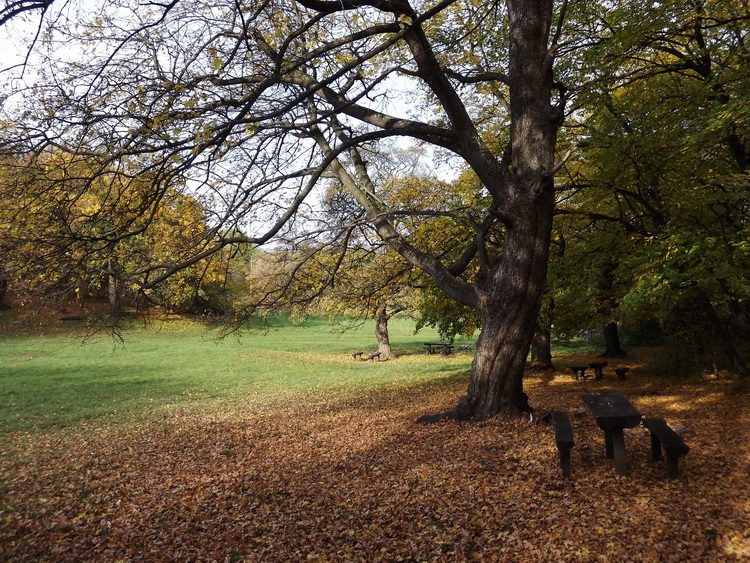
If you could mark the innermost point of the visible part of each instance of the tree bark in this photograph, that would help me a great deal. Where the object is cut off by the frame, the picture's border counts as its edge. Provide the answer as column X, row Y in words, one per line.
column 114, row 304
column 112, row 286
column 541, row 352
column 509, row 291
column 510, row 294
column 740, row 319
column 3, row 291
column 381, row 334
column 738, row 363
column 613, row 349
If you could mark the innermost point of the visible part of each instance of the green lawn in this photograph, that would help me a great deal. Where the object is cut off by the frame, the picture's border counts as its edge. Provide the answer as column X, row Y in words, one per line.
column 62, row 380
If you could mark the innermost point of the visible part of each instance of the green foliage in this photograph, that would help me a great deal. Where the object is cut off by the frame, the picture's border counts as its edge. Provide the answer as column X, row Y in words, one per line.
column 657, row 205
column 449, row 318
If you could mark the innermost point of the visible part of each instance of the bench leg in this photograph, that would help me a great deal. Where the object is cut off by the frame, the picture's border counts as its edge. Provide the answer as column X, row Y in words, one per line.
column 655, row 448
column 672, row 466
column 608, row 444
column 565, row 462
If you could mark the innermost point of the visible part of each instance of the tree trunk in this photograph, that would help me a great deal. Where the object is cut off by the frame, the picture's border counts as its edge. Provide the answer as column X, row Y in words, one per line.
column 510, row 289
column 612, row 341
column 738, row 364
column 541, row 352
column 3, row 291
column 740, row 319
column 510, row 296
column 381, row 333
column 512, row 301
column 114, row 302
column 507, row 290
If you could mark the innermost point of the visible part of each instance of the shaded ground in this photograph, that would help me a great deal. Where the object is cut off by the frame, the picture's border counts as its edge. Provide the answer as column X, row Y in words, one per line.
column 356, row 479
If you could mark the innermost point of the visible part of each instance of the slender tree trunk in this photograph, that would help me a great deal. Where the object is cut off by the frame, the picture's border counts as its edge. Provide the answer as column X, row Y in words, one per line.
column 114, row 303
column 381, row 333
column 541, row 352
column 3, row 291
column 612, row 341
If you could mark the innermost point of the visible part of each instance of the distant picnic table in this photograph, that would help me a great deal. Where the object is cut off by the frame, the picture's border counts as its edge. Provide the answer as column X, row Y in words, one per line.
column 435, row 347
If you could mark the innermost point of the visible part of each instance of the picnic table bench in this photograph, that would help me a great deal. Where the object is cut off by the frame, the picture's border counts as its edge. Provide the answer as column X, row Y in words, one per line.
column 662, row 436
column 563, row 439
column 613, row 413
column 435, row 347
column 359, row 355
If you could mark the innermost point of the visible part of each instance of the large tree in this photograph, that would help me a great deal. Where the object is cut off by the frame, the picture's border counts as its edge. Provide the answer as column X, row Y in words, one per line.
column 254, row 101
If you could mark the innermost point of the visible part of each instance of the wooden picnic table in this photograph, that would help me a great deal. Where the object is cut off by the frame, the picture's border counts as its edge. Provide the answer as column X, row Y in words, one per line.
column 434, row 347
column 613, row 413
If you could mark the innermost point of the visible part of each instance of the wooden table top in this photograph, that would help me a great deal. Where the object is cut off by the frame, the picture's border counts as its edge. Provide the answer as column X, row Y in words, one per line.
column 612, row 410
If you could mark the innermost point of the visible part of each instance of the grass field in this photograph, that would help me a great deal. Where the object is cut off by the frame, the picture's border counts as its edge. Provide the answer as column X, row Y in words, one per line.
column 61, row 379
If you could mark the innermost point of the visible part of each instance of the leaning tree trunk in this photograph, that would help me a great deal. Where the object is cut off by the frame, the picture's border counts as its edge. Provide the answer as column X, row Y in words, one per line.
column 613, row 349
column 381, row 333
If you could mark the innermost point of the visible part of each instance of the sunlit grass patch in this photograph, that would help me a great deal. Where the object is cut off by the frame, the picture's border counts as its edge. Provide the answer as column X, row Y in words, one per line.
column 59, row 381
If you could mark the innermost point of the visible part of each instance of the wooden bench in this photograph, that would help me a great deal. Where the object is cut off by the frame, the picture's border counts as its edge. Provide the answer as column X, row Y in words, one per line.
column 563, row 439
column 357, row 355
column 373, row 356
column 662, row 436
column 576, row 369
column 433, row 347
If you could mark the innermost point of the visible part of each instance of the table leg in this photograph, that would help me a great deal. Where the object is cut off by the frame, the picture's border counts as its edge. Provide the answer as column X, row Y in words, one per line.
column 608, row 444
column 618, row 444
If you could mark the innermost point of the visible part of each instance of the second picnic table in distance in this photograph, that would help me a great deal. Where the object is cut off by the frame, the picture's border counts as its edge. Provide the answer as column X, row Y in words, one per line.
column 435, row 347
column 613, row 412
